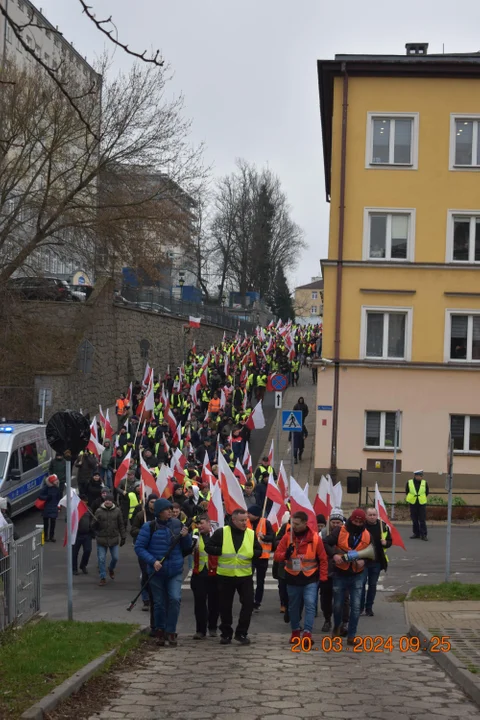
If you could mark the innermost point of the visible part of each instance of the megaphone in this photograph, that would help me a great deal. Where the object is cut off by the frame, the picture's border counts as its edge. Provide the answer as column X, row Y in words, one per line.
column 367, row 554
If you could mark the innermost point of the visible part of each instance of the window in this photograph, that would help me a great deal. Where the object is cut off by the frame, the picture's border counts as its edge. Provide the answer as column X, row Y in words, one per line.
column 144, row 348
column 314, row 295
column 392, row 139
column 388, row 234
column 380, row 429
column 29, row 456
column 386, row 333
column 47, row 33
column 465, row 432
column 85, row 355
column 463, row 238
column 314, row 310
column 463, row 334
column 56, row 41
column 464, row 145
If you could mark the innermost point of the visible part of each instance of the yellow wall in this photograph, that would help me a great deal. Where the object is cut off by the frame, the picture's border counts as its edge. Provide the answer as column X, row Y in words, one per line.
column 304, row 302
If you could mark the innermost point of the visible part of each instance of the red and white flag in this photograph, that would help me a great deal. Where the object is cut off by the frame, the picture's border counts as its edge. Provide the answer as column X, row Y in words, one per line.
column 323, row 499
column 231, row 488
column 256, row 421
column 194, row 391
column 166, row 446
column 207, row 475
column 147, row 477
column 383, row 515
column 247, row 458
column 215, row 505
column 336, row 492
column 273, row 493
column 271, row 458
column 239, row 473
column 148, row 375
column 123, row 468
column 78, row 508
column 179, row 458
column 283, row 481
column 102, row 417
column 194, row 322
column 177, row 435
column 108, row 427
column 129, row 395
column 172, row 421
column 164, row 482
column 299, row 501
column 94, row 445
column 223, row 399
column 148, row 403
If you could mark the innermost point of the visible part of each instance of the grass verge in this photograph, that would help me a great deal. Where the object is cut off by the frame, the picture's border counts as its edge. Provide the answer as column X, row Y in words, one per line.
column 38, row 657
column 446, row 591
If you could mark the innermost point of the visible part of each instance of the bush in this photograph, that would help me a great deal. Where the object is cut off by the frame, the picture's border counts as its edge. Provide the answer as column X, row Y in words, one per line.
column 459, row 501
column 436, row 500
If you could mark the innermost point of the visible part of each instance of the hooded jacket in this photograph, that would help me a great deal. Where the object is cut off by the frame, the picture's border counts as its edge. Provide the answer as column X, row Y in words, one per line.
column 50, row 492
column 154, row 546
column 331, row 548
column 109, row 526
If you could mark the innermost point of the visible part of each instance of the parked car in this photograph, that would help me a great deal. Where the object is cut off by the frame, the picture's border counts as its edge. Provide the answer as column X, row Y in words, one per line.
column 41, row 288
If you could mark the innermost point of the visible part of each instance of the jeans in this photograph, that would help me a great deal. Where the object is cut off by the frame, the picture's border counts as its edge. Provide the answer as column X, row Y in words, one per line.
column 418, row 514
column 167, row 594
column 260, row 567
column 306, row 594
column 227, row 586
column 354, row 585
column 107, row 477
column 326, row 601
column 102, row 557
column 85, row 542
column 371, row 577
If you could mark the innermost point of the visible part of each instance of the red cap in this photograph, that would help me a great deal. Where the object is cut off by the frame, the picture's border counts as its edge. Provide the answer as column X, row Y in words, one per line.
column 358, row 514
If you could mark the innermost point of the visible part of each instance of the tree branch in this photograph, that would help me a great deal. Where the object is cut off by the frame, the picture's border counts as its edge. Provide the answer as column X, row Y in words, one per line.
column 87, row 9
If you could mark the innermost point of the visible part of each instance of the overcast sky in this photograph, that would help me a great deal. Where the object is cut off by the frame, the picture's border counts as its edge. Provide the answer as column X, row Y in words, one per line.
column 247, row 69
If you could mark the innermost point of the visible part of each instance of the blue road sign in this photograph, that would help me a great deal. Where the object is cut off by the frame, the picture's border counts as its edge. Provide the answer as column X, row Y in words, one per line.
column 325, row 407
column 279, row 382
column 292, row 420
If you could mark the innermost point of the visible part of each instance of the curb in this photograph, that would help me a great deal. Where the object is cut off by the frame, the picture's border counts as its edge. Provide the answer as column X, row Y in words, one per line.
column 451, row 664
column 72, row 684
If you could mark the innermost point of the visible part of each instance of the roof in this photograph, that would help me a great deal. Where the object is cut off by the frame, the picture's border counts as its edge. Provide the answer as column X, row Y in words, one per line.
column 458, row 65
column 315, row 285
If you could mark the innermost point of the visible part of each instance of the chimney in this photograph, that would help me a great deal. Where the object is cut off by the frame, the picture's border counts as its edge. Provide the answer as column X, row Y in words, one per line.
column 416, row 48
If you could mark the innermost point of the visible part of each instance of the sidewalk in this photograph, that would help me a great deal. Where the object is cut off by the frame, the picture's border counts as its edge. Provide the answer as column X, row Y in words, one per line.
column 460, row 623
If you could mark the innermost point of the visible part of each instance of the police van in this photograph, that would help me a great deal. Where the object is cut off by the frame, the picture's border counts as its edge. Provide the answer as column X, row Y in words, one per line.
column 24, row 459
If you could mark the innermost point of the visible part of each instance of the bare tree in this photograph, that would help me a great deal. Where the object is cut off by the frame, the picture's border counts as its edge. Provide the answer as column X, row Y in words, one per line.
column 63, row 186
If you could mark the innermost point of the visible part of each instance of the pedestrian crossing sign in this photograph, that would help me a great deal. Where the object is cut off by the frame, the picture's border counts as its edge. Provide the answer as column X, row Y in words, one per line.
column 292, row 420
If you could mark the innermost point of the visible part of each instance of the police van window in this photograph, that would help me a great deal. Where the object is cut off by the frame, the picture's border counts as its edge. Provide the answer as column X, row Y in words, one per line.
column 29, row 456
column 13, row 464
column 43, row 450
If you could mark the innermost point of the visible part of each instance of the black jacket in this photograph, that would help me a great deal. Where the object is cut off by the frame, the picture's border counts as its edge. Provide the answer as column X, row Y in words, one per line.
column 330, row 543
column 376, row 535
column 214, row 545
column 269, row 534
column 138, row 520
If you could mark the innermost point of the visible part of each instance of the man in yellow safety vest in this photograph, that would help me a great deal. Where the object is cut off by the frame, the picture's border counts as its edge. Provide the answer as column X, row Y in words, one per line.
column 417, row 491
column 235, row 545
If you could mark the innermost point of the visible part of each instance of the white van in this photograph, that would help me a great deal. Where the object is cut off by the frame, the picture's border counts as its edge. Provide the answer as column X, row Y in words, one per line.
column 24, row 459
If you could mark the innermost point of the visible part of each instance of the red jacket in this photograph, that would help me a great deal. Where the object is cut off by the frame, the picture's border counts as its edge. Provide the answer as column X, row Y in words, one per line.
column 302, row 547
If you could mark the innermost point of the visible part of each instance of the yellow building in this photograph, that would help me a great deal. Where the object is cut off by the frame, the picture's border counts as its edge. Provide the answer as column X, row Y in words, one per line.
column 309, row 302
column 401, row 142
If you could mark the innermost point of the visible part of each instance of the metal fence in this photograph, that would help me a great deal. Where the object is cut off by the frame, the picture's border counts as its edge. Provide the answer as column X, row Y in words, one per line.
column 156, row 300
column 21, row 569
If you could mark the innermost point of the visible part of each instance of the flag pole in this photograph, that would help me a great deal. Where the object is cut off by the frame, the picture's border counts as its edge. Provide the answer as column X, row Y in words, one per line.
column 68, row 473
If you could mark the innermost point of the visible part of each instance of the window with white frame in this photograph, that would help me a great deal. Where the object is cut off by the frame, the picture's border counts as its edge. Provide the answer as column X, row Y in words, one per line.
column 314, row 310
column 314, row 295
column 465, row 432
column 380, row 429
column 463, row 240
column 464, row 142
column 392, row 139
column 386, row 333
column 388, row 235
column 464, row 336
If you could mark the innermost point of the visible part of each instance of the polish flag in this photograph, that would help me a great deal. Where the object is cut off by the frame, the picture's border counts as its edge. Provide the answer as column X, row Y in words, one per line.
column 194, row 391
column 164, row 482
column 271, row 455
column 94, row 445
column 247, row 458
column 166, row 446
column 275, row 516
column 129, row 395
column 207, row 474
column 164, row 396
column 177, row 436
column 323, row 500
column 283, row 481
column 336, row 493
column 147, row 376
column 256, row 420
column 172, row 421
column 239, row 473
column 215, row 505
column 273, row 493
column 102, row 417
column 179, row 458
column 204, row 379
column 108, row 427
column 194, row 322
column 231, row 488
column 299, row 501
column 223, row 399
column 383, row 515
column 78, row 508
column 148, row 402
column 146, row 476
column 194, row 347
column 123, row 468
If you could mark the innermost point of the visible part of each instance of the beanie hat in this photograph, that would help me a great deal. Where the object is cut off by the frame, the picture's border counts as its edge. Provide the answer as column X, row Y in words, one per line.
column 255, row 510
column 152, row 496
column 337, row 514
column 358, row 514
column 160, row 505
column 321, row 519
column 108, row 496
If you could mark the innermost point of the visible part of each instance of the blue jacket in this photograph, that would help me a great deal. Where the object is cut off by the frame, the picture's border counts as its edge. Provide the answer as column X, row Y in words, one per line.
column 52, row 495
column 153, row 547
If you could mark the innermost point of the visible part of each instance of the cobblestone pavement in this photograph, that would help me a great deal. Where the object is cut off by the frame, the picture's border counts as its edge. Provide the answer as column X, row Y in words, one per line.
column 200, row 680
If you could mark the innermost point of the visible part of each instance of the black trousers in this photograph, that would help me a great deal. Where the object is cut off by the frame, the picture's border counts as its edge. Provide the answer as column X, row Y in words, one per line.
column 84, row 542
column 227, row 586
column 205, row 601
column 148, row 589
column 282, row 591
column 418, row 515
column 260, row 567
column 49, row 523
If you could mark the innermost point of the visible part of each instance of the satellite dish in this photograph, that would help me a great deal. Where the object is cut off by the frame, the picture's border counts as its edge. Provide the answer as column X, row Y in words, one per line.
column 68, row 430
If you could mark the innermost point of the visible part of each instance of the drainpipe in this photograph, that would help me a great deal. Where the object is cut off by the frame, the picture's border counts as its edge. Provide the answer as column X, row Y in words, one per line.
column 338, row 300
